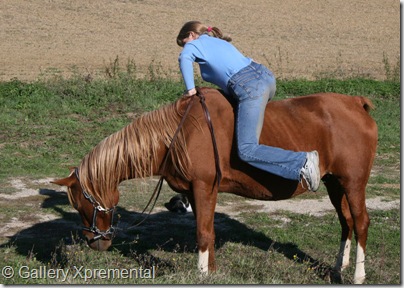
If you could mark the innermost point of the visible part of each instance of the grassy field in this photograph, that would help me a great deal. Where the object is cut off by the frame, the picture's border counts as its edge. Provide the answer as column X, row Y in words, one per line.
column 49, row 125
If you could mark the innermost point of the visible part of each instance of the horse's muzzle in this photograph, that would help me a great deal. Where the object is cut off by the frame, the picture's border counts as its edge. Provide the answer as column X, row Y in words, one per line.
column 98, row 244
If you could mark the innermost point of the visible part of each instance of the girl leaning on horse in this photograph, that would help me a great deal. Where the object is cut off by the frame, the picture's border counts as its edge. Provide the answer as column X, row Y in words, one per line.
column 252, row 86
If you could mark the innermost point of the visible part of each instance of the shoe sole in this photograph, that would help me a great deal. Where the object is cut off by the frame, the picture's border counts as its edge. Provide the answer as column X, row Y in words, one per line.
column 313, row 156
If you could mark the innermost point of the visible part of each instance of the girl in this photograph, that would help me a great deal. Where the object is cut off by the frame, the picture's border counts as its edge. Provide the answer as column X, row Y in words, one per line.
column 252, row 85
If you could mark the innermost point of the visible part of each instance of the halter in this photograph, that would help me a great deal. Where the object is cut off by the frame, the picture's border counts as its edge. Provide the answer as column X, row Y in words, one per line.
column 97, row 208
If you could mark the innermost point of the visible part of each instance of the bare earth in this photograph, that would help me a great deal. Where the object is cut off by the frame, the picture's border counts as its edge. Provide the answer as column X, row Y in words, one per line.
column 29, row 196
column 295, row 38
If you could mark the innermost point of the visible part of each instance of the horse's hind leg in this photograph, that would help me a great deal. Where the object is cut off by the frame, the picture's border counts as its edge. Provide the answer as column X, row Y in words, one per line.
column 355, row 193
column 338, row 199
column 348, row 198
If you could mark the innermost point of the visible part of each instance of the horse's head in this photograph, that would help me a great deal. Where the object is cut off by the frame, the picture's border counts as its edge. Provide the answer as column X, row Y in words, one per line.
column 97, row 220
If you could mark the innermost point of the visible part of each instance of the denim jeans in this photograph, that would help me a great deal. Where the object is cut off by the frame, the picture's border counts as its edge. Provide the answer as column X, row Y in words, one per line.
column 252, row 87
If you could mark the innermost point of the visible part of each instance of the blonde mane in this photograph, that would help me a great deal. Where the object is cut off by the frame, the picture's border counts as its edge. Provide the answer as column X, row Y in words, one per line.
column 132, row 152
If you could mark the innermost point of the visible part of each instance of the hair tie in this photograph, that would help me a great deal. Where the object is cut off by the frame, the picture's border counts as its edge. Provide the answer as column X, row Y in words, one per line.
column 209, row 29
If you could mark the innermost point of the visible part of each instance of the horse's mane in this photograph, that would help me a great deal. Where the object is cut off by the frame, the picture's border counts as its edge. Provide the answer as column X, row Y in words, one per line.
column 132, row 152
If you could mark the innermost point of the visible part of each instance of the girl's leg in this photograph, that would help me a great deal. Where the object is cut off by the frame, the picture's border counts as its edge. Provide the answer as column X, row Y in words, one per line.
column 275, row 160
column 253, row 88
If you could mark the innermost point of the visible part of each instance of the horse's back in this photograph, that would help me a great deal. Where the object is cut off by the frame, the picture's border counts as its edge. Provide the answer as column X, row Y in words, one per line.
column 301, row 123
column 338, row 126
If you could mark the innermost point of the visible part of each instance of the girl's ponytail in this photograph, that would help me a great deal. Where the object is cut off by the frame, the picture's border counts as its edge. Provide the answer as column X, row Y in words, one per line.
column 198, row 28
column 216, row 32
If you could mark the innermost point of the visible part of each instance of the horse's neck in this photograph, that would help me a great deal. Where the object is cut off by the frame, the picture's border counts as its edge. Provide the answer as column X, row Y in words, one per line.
column 157, row 163
column 146, row 143
column 148, row 168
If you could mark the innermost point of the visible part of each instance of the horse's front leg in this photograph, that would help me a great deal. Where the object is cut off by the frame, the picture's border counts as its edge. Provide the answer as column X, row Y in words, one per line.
column 205, row 202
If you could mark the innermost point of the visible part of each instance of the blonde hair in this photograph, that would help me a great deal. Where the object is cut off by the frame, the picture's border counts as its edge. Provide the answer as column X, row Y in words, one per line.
column 133, row 152
column 199, row 28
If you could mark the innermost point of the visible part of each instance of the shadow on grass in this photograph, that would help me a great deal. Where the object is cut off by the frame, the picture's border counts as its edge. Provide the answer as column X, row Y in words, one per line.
column 165, row 231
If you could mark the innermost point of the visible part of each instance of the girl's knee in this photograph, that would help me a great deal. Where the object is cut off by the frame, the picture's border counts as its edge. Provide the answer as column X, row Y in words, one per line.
column 244, row 151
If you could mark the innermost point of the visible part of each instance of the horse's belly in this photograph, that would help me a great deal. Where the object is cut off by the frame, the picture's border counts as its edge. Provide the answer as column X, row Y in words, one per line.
column 251, row 192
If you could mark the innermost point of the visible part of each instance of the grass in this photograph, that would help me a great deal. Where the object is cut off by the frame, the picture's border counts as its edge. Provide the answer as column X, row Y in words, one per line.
column 55, row 123
column 49, row 125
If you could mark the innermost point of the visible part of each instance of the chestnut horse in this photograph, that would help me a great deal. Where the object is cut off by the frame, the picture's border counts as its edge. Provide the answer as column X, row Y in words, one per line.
column 337, row 126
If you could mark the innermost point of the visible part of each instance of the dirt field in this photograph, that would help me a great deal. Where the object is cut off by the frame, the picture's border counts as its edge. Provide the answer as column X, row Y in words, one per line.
column 296, row 38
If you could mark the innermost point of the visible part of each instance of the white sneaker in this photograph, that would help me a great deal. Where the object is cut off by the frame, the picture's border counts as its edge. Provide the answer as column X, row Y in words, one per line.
column 311, row 171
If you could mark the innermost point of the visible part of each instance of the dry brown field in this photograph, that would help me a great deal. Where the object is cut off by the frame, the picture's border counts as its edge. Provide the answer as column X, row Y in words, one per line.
column 295, row 38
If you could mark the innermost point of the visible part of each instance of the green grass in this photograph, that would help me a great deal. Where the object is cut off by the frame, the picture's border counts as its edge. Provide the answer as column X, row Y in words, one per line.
column 49, row 125
column 54, row 124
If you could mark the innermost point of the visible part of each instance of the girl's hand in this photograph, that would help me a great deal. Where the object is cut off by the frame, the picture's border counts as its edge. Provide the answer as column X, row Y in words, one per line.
column 189, row 93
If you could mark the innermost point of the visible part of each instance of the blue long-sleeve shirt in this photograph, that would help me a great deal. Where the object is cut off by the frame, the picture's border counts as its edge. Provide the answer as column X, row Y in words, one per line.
column 218, row 61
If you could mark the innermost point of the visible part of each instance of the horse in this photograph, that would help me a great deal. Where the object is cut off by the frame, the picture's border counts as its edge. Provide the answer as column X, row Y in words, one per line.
column 338, row 126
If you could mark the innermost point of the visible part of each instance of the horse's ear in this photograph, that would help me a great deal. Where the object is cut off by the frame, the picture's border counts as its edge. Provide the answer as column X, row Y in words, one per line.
column 68, row 181
column 63, row 182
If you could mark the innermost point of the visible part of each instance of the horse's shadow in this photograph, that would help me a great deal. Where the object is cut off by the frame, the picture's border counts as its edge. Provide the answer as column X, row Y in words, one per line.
column 166, row 231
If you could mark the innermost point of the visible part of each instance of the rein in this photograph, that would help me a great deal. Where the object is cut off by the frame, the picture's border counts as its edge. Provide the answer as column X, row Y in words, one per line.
column 157, row 190
column 212, row 134
column 156, row 193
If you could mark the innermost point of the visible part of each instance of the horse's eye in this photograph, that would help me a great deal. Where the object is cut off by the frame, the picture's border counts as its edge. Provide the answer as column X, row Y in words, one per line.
column 76, row 206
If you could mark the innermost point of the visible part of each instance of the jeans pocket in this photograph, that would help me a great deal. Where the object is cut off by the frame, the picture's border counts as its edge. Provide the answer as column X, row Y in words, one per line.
column 252, row 82
column 250, row 88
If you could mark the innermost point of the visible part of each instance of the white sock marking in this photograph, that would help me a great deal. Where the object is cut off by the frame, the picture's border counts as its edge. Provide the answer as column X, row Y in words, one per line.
column 360, row 274
column 343, row 255
column 203, row 261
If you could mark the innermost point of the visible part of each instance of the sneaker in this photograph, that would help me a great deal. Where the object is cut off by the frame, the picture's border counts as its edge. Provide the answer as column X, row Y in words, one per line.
column 311, row 171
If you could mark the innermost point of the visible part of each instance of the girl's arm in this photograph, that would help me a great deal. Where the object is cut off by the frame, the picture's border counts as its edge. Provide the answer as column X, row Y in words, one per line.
column 186, row 61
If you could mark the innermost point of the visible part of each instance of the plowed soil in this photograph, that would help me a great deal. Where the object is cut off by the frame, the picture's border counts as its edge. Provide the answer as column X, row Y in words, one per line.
column 295, row 38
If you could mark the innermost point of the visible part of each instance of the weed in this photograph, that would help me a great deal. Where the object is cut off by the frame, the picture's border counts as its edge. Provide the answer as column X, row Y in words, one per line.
column 392, row 72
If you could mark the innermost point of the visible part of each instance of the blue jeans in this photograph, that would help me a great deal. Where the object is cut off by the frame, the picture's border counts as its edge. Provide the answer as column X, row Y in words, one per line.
column 252, row 87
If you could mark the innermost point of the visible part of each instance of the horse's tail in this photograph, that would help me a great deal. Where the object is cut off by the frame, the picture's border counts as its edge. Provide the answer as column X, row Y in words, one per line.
column 365, row 103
